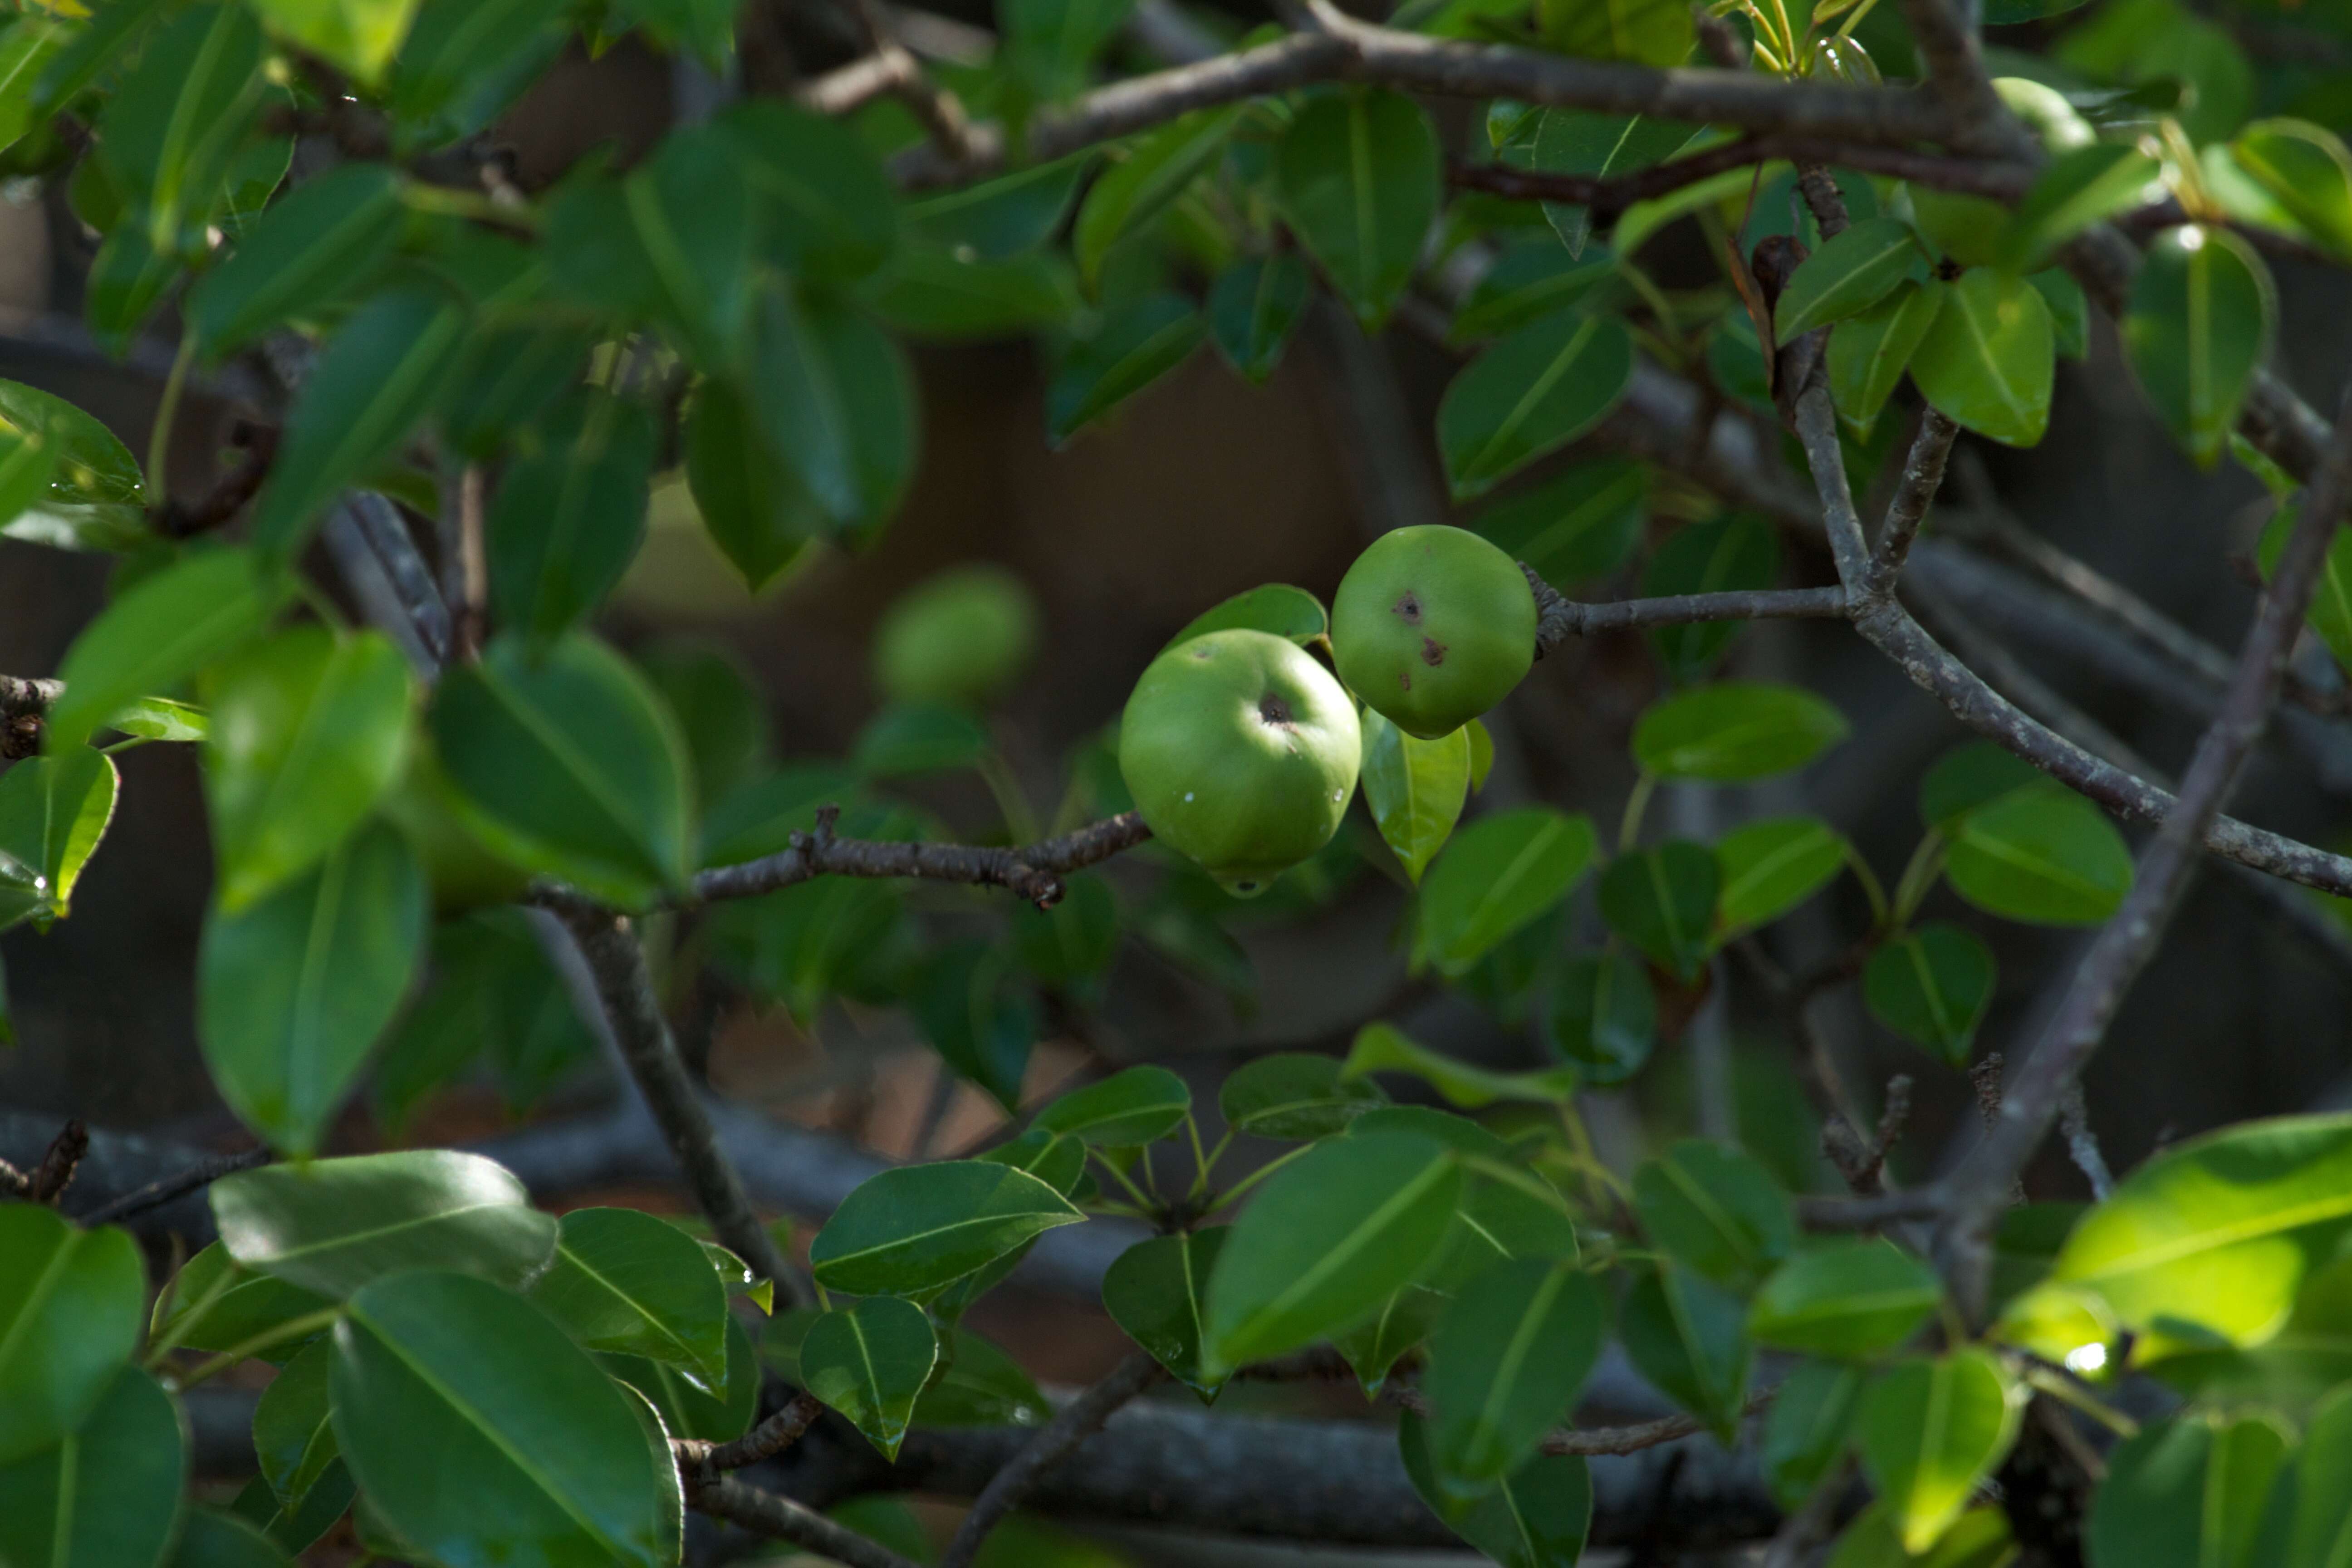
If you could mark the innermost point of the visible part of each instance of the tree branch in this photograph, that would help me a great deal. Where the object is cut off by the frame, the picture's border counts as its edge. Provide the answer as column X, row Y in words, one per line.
column 25, row 703
column 700, row 1460
column 1035, row 872
column 1923, row 475
column 782, row 1518
column 1560, row 618
column 157, row 1193
column 1078, row 1421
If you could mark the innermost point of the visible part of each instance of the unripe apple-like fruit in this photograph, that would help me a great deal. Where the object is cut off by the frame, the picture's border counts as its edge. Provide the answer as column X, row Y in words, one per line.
column 1432, row 625
column 1240, row 753
column 961, row 637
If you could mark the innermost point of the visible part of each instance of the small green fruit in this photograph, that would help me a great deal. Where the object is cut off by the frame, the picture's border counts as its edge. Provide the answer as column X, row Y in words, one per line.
column 1432, row 627
column 1240, row 753
column 961, row 637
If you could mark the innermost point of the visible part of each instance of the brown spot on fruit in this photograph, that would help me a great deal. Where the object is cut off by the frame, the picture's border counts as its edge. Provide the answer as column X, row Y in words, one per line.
column 1410, row 607
column 1199, row 652
column 1432, row 652
column 1273, row 709
column 1404, row 678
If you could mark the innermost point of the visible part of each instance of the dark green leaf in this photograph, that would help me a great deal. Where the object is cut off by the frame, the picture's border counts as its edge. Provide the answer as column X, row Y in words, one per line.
column 687, row 1409
column 936, row 293
column 1374, row 1346
column 1075, row 940
column 1534, row 391
column 1416, row 789
column 1050, row 45
column 28, row 47
column 464, row 62
column 1153, row 1290
column 1137, row 343
column 1987, row 360
column 1648, row 32
column 176, row 123
column 1971, row 776
column 1576, row 525
column 1497, row 875
column 569, row 516
column 923, row 1227
column 1806, row 1433
column 1506, row 1212
column 1001, row 218
column 1294, row 1096
column 210, row 1538
column 158, row 633
column 306, row 251
column 128, row 280
column 1382, row 1048
column 830, row 396
column 870, row 1362
column 623, row 1280
column 1603, row 1017
column 1717, row 1211
column 2070, row 312
column 911, row 738
column 1933, row 986
column 2043, row 854
column 1848, row 1299
column 719, row 712
column 1531, row 281
column 757, row 513
column 1930, row 1430
column 1140, row 1105
column 1358, row 173
column 1689, row 1337
column 1157, row 169
column 1505, row 1361
column 54, row 810
column 1578, row 142
column 978, row 1386
column 1661, row 899
column 1277, row 607
column 292, row 1436
column 107, row 1495
column 1719, row 555
column 1734, row 732
column 1536, row 1519
column 2201, row 324
column 2188, row 1493
column 2078, row 187
column 1768, row 867
column 2307, row 169
column 66, row 480
column 217, row 1304
column 823, row 205
column 1868, row 354
column 1846, row 276
column 1253, row 309
column 71, row 1302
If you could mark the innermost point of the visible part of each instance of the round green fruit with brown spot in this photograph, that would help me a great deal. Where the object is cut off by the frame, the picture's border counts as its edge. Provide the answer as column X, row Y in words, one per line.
column 1432, row 625
column 1240, row 753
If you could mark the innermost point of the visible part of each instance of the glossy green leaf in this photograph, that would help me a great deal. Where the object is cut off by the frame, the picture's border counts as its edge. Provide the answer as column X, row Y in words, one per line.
column 158, row 633
column 1497, row 876
column 1929, row 1431
column 2201, row 318
column 54, row 810
column 933, row 293
column 2078, row 187
column 1277, row 607
column 569, row 764
column 1648, row 32
column 687, row 1409
column 2307, row 168
column 65, row 480
column 1414, row 788
column 979, row 1018
column 292, row 991
column 293, row 1438
column 824, row 207
column 1157, row 169
column 1292, row 1095
column 1980, row 1538
column 310, row 728
column 832, row 399
column 1661, row 899
column 1324, row 1242
column 1253, row 308
column 358, row 35
column 463, row 63
column 333, row 1226
column 2062, row 1324
column 1139, row 1105
column 483, row 1435
column 1576, row 525
column 1770, row 866
column 1846, row 276
column 1153, row 1291
column 1505, row 1363
column 1603, row 1017
column 1717, row 1211
column 869, row 1361
column 1932, row 985
column 569, row 516
column 1845, row 1299
column 1534, row 391
column 977, row 1384
column 1734, row 732
column 178, row 120
column 1531, row 282
column 1537, row 1517
column 1506, row 1213
column 754, row 507
column 218, row 1304
column 107, row 1495
column 1382, row 1048
column 1690, row 1338
column 28, row 47
column 624, row 1280
column 1138, row 343
column 1987, row 361
column 2070, row 311
column 2043, row 854
column 382, row 371
column 1869, row 352
column 306, row 252
column 2186, row 1492
column 1373, row 1347
column 1358, row 174
column 162, row 718
column 212, row 1537
column 70, row 1302
column 993, row 220
column 1806, row 1431
column 1579, row 142
column 922, row 1227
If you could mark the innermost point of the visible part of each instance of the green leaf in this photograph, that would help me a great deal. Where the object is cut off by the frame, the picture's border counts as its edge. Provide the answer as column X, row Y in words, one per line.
column 1505, row 1363
column 293, row 990
column 312, row 730
column 1932, row 985
column 163, row 630
column 2188, row 1493
column 1734, row 732
column 835, row 404
column 1538, row 1518
column 1153, row 1289
column 217, row 1304
column 569, row 766
column 822, row 204
column 687, row 1409
column 978, row 1386
column 70, row 1302
column 1689, row 1337
column 1137, row 343
column 2319, row 1500
column 1971, row 776
column 1531, row 282
column 1845, row 1299
column 1506, row 1212
column 1291, row 1095
column 1930, row 1430
column 54, row 810
column 1499, row 874
column 1648, row 32
column 569, row 516
column 2078, row 187
column 358, row 35
column 1001, row 217
column 754, row 507
column 2070, row 312
column 870, row 1362
column 482, row 1435
column 1253, row 308
column 307, row 252
column 1137, row 1106
column 1277, row 607
column 1360, row 180
column 464, row 62
column 1414, row 788
column 1735, row 552
column 1325, row 1241
column 27, row 48
column 1987, row 359
column 493, row 992
column 177, row 121
column 1846, row 276
column 1050, row 45
column 1806, row 1434
column 1073, row 943
column 1577, row 525
column 1603, row 1017
column 1382, row 1048
column 106, row 1496
column 1536, row 390
column 1770, row 866
column 919, row 1227
column 210, row 1538
column 1661, row 899
column 333, row 1226
column 293, row 1438
column 627, row 1281
column 1579, row 142
column 2331, row 603
column 1717, row 1211
column 2042, row 854
column 1980, row 1538
column 1157, row 169
column 65, row 480
column 909, row 738
column 933, row 293
column 981, row 1021
column 2307, row 168
column 161, row 719
column 1869, row 352
column 2201, row 318
column 382, row 371
column 1373, row 1347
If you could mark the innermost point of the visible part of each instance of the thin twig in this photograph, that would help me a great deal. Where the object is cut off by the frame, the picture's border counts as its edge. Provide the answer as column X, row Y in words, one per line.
column 1078, row 1421
column 154, row 1194
column 1592, row 1441
column 782, row 1518
column 1923, row 473
column 700, row 1460
column 1560, row 618
column 1035, row 872
column 47, row 1180
column 1872, row 1213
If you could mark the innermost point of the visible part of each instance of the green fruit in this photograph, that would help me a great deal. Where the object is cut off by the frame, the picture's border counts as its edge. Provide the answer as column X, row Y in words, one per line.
column 1240, row 753
column 1434, row 626
column 961, row 637
column 465, row 874
column 2046, row 114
